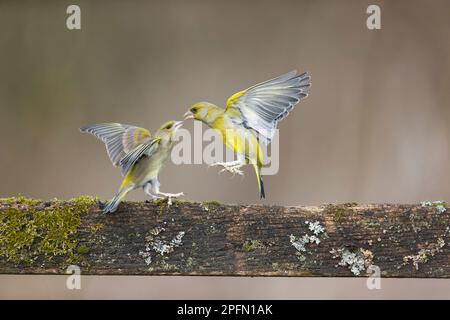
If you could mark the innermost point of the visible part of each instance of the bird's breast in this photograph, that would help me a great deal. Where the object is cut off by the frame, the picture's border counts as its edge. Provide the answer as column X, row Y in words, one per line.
column 148, row 167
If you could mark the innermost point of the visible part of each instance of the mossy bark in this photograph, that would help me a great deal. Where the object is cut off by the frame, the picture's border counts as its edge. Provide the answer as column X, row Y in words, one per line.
column 213, row 239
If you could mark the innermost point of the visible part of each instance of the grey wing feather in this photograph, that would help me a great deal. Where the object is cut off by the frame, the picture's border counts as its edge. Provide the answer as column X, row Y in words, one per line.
column 263, row 105
column 119, row 138
column 130, row 159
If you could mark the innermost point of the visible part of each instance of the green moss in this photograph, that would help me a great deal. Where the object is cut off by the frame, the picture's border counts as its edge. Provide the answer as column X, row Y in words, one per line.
column 288, row 266
column 82, row 203
column 178, row 201
column 160, row 202
column 19, row 200
column 212, row 203
column 161, row 205
column 163, row 202
column 95, row 227
column 164, row 265
column 337, row 211
column 18, row 232
column 440, row 203
column 350, row 204
column 251, row 245
column 31, row 229
column 190, row 262
column 82, row 249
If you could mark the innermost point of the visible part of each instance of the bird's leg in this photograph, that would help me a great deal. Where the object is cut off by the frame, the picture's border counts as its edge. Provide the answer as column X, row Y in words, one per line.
column 147, row 190
column 169, row 196
column 232, row 166
column 155, row 191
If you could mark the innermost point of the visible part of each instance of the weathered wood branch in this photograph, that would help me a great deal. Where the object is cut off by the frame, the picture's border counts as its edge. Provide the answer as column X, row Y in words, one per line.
column 187, row 238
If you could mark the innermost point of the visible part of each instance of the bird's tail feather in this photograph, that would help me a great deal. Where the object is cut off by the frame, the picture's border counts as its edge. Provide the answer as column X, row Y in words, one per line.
column 112, row 205
column 262, row 194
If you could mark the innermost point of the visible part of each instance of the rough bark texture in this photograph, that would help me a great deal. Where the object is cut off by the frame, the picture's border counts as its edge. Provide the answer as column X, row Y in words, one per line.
column 187, row 238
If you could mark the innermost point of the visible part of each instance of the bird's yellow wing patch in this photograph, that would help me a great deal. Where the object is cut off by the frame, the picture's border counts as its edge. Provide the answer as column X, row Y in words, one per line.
column 261, row 106
column 233, row 100
column 120, row 139
column 147, row 148
column 133, row 137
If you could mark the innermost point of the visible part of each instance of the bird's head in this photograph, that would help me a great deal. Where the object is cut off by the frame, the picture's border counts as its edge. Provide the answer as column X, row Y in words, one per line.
column 168, row 129
column 202, row 111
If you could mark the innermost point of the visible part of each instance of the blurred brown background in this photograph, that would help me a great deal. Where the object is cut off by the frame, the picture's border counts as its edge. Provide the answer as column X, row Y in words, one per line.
column 375, row 127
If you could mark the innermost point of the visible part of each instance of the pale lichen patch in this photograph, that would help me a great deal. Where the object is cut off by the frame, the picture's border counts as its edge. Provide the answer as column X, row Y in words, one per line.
column 368, row 256
column 177, row 241
column 301, row 243
column 160, row 246
column 441, row 206
column 424, row 254
column 146, row 255
column 156, row 230
column 356, row 262
column 315, row 227
column 189, row 262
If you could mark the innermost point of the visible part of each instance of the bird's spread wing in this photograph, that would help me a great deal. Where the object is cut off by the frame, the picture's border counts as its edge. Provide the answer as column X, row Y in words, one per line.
column 261, row 106
column 120, row 139
column 147, row 148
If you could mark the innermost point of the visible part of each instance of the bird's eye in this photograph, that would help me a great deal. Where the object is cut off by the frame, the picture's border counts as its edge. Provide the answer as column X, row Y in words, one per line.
column 194, row 109
column 169, row 126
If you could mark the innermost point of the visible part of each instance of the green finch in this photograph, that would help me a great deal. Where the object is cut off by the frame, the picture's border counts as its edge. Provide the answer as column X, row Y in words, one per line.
column 251, row 116
column 139, row 155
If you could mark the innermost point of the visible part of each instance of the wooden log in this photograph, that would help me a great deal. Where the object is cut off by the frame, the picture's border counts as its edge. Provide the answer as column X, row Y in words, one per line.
column 188, row 238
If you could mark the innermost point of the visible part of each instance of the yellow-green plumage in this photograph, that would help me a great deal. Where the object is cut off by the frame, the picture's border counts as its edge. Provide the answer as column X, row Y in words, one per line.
column 241, row 141
column 140, row 155
column 252, row 115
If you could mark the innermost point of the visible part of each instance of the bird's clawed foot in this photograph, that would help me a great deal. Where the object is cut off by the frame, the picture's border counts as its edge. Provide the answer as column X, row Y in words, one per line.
column 169, row 196
column 232, row 167
column 101, row 204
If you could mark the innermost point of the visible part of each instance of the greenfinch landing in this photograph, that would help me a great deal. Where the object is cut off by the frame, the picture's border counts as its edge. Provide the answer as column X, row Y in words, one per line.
column 139, row 155
column 251, row 116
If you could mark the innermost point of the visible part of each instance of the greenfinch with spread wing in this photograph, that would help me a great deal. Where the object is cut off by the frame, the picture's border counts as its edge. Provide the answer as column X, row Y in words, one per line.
column 139, row 154
column 251, row 116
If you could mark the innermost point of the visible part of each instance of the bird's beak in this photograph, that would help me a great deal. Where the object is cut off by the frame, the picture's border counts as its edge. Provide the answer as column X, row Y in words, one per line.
column 188, row 115
column 177, row 124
